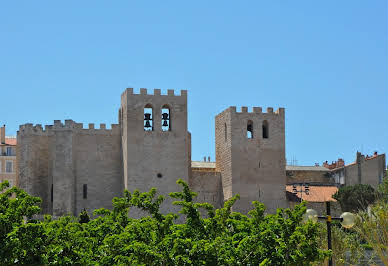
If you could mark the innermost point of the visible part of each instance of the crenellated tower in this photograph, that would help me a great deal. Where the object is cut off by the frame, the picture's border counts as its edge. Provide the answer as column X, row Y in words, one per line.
column 155, row 140
column 250, row 154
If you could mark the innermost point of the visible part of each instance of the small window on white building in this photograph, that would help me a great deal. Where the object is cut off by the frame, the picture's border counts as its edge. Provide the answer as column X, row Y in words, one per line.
column 342, row 180
column 9, row 167
column 9, row 151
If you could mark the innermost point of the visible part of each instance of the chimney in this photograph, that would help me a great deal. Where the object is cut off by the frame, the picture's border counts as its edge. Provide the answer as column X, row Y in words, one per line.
column 340, row 162
column 208, row 158
column 204, row 158
column 2, row 134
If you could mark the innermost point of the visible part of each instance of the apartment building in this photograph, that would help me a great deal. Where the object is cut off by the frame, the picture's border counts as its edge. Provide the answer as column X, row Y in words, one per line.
column 7, row 158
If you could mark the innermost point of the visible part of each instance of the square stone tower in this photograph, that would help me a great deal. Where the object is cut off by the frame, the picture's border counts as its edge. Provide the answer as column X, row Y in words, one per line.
column 250, row 154
column 155, row 141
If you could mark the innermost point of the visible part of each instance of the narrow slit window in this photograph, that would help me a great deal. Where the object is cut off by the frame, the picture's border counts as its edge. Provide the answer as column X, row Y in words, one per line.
column 52, row 192
column 85, row 191
column 265, row 129
column 226, row 132
column 166, row 118
column 148, row 118
column 250, row 129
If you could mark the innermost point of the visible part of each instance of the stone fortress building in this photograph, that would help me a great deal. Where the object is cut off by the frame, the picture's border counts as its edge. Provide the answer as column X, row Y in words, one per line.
column 71, row 167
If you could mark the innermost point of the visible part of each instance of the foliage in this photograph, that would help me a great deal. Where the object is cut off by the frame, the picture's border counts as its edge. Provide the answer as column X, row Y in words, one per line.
column 347, row 245
column 382, row 190
column 355, row 198
column 113, row 238
column 84, row 217
column 373, row 224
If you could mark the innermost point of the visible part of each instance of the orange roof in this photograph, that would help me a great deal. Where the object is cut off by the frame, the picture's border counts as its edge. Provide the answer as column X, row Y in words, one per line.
column 10, row 141
column 316, row 194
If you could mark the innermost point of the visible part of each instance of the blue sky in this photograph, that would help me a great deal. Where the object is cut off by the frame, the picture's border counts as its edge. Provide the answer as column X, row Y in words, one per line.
column 325, row 62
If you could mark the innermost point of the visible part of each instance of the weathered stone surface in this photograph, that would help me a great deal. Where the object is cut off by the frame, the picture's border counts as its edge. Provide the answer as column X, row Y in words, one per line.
column 72, row 168
column 253, row 167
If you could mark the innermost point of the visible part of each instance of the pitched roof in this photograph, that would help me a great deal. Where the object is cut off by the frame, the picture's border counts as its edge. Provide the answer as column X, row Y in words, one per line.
column 316, row 194
column 10, row 141
column 306, row 168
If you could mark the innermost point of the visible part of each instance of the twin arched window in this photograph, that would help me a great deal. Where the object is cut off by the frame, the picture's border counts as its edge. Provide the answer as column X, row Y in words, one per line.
column 250, row 129
column 149, row 118
column 166, row 121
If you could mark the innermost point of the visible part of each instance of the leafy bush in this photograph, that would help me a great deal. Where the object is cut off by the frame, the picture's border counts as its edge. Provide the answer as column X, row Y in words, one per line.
column 355, row 198
column 113, row 238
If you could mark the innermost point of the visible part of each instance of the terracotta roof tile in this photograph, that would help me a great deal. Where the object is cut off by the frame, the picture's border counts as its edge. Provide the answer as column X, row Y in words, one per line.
column 317, row 193
column 10, row 141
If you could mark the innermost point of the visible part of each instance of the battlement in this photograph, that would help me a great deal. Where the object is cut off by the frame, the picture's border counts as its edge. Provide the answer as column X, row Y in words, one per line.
column 256, row 110
column 68, row 125
column 156, row 92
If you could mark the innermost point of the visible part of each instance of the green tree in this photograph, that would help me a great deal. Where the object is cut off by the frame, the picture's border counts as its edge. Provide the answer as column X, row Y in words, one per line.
column 383, row 190
column 224, row 237
column 355, row 198
column 373, row 227
column 20, row 242
column 84, row 217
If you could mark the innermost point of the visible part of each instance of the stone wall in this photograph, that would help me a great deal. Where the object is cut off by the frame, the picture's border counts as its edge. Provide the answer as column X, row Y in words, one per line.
column 98, row 165
column 365, row 170
column 255, row 166
column 308, row 176
column 208, row 185
column 34, row 164
column 55, row 163
column 373, row 170
column 155, row 158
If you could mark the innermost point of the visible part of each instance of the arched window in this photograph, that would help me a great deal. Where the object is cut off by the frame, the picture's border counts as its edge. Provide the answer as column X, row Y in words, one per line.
column 226, row 132
column 166, row 118
column 148, row 118
column 265, row 129
column 250, row 129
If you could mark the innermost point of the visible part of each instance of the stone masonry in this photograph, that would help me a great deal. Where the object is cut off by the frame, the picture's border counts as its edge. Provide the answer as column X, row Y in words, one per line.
column 253, row 165
column 74, row 168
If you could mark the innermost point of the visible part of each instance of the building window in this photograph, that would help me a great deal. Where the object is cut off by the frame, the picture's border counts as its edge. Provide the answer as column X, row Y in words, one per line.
column 265, row 129
column 148, row 118
column 9, row 167
column 226, row 132
column 250, row 129
column 9, row 151
column 85, row 191
column 166, row 118
column 52, row 192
